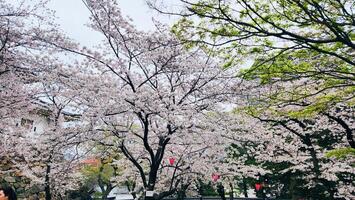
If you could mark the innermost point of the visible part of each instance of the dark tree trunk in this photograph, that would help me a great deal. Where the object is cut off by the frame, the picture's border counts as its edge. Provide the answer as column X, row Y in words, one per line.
column 155, row 158
column 245, row 188
column 47, row 188
column 316, row 167
column 348, row 130
column 221, row 192
column 313, row 153
column 231, row 194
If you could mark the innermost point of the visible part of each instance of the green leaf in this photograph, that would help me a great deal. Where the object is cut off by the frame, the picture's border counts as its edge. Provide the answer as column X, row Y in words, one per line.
column 341, row 153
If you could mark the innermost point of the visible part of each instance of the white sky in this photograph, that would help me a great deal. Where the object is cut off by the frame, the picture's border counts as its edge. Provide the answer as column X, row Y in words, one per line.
column 73, row 15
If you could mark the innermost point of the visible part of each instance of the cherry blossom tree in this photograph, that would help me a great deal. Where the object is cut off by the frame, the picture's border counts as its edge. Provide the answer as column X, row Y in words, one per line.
column 27, row 61
column 23, row 54
column 291, row 154
column 50, row 159
column 285, row 141
column 14, row 71
column 152, row 100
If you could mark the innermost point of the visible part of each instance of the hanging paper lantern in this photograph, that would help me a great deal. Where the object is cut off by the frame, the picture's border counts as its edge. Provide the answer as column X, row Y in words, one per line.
column 171, row 160
column 258, row 186
column 215, row 177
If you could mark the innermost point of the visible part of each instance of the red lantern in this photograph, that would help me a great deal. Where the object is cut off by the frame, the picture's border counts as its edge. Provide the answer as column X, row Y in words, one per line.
column 171, row 160
column 215, row 177
column 258, row 186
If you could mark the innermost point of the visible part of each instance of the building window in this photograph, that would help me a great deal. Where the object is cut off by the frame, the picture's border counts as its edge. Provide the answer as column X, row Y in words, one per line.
column 27, row 123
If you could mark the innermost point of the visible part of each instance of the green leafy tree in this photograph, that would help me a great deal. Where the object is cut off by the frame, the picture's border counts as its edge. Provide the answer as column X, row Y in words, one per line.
column 307, row 44
column 270, row 26
column 101, row 171
column 101, row 175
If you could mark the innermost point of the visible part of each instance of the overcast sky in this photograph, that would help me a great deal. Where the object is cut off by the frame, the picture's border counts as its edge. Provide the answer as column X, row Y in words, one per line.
column 73, row 15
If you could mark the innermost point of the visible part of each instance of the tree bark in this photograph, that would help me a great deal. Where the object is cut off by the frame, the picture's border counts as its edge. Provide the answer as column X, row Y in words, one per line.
column 307, row 140
column 47, row 188
column 245, row 188
column 348, row 130
column 231, row 194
